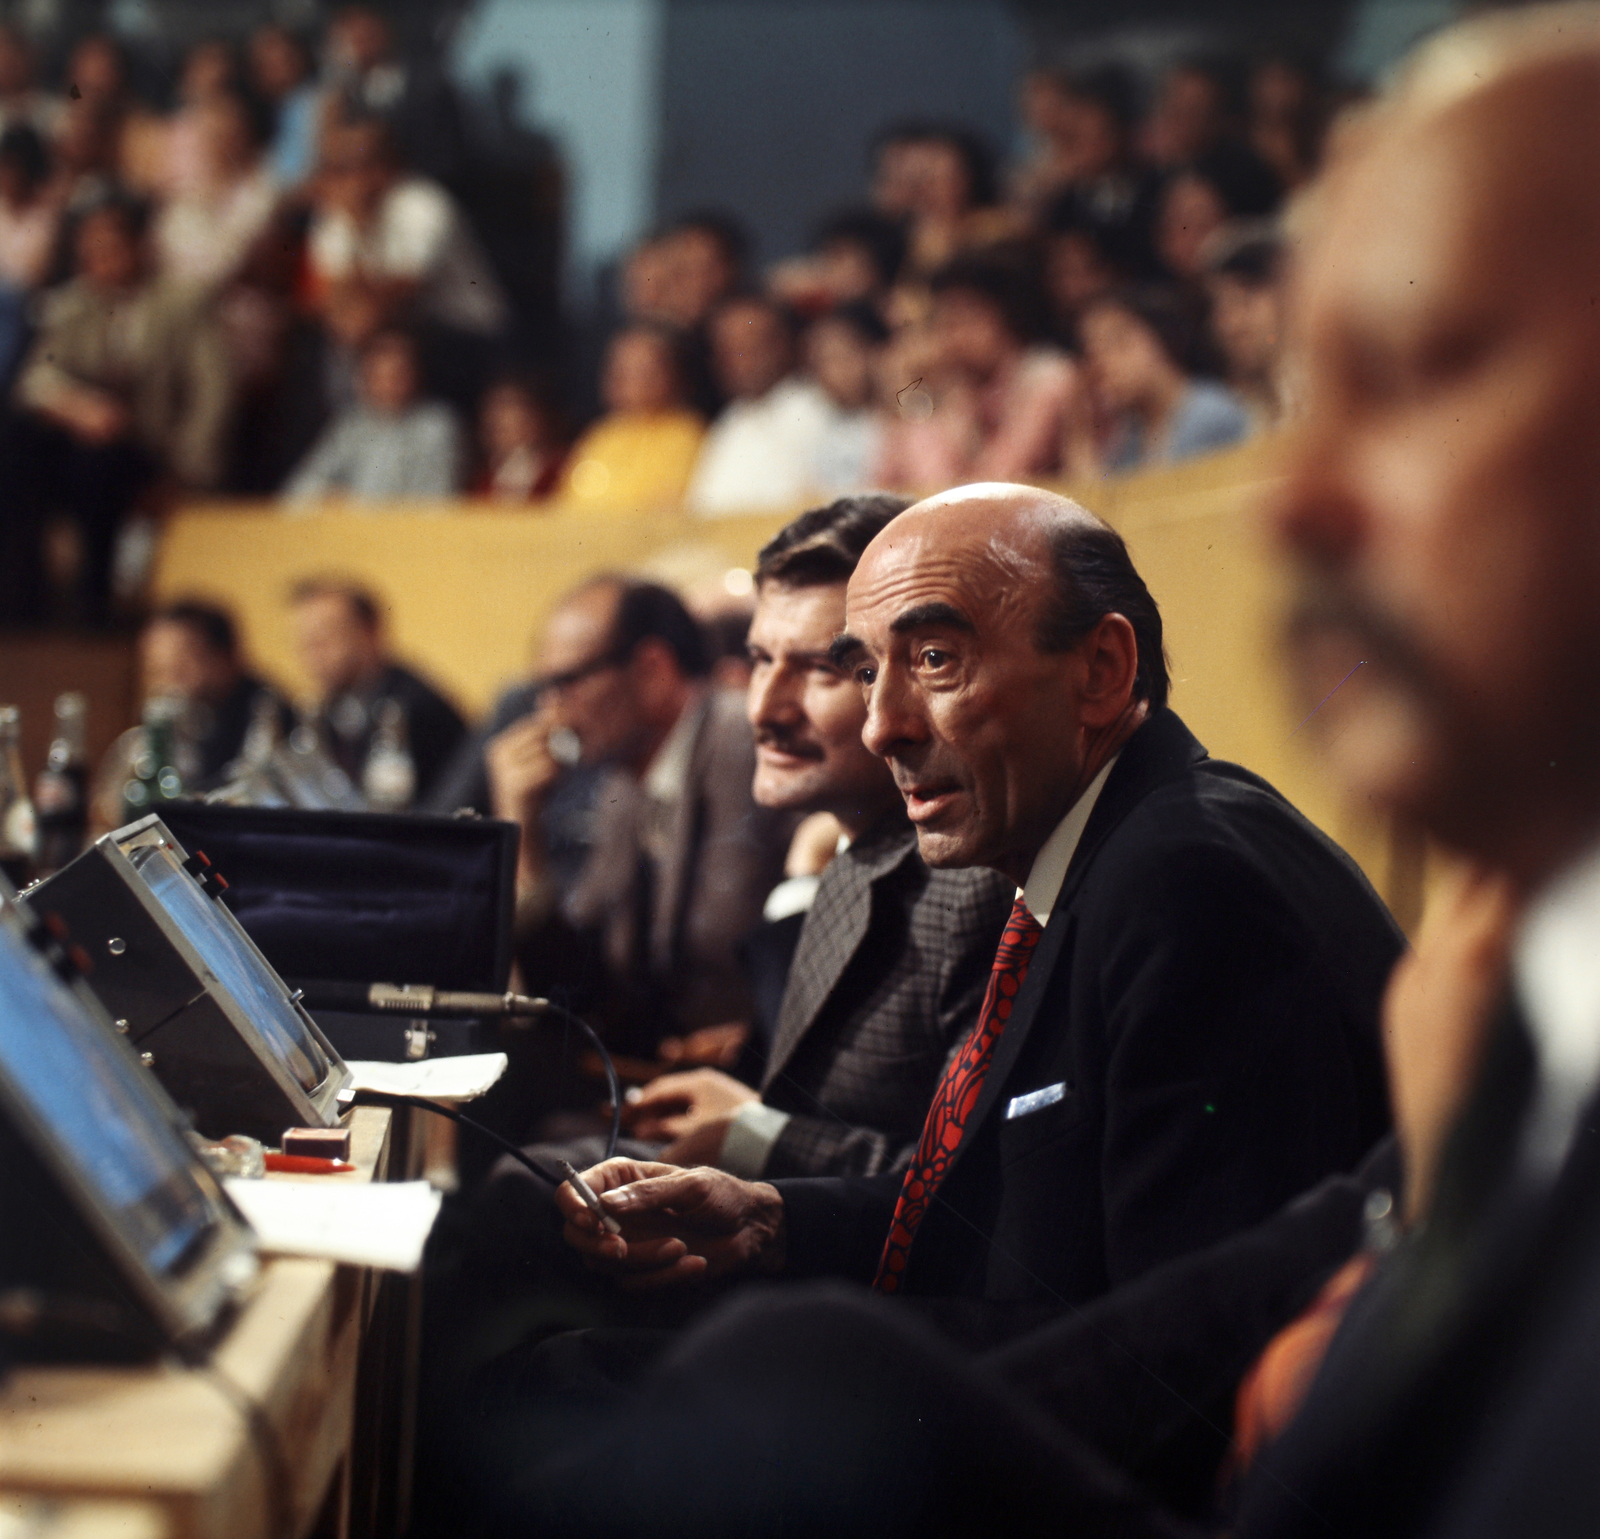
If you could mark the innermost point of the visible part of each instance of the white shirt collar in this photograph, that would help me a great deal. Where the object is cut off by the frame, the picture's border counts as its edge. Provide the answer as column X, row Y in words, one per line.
column 668, row 774
column 1557, row 979
column 1049, row 869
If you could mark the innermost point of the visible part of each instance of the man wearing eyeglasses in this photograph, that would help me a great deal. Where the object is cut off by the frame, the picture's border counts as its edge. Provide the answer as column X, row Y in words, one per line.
column 682, row 857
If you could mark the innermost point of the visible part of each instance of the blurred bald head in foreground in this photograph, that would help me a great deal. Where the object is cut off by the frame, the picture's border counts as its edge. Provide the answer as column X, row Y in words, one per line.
column 1443, row 502
column 1442, row 512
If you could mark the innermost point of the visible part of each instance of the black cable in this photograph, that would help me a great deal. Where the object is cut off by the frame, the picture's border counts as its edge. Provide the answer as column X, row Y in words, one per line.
column 612, row 1082
column 387, row 1098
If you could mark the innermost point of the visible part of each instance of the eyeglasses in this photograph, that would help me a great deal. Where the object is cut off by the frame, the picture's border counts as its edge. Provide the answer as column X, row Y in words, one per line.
column 556, row 682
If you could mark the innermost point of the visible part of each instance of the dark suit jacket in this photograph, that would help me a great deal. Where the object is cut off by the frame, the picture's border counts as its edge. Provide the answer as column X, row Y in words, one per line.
column 1462, row 1394
column 1206, row 996
column 890, row 970
column 433, row 727
column 677, row 967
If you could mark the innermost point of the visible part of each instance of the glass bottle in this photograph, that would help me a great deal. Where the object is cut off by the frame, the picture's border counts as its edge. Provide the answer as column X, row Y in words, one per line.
column 155, row 777
column 389, row 777
column 61, row 793
column 18, row 832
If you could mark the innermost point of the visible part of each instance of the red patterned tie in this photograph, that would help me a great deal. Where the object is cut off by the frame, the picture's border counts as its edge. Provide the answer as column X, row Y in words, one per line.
column 957, row 1095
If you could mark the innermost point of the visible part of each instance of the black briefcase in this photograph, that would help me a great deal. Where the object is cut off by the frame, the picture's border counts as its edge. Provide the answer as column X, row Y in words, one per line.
column 367, row 897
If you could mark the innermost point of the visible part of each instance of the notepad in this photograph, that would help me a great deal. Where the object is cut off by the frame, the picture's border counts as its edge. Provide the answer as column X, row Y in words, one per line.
column 440, row 1079
column 383, row 1224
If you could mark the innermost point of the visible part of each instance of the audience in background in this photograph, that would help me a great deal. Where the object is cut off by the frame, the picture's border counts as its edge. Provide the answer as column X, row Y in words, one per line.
column 319, row 192
column 1143, row 348
column 1244, row 281
column 30, row 227
column 1198, row 105
column 844, row 351
column 127, row 384
column 370, row 713
column 1001, row 403
column 760, row 451
column 393, row 445
column 22, row 103
column 1225, row 182
column 225, row 200
column 519, row 441
column 856, row 258
column 398, row 238
column 641, row 453
column 279, row 67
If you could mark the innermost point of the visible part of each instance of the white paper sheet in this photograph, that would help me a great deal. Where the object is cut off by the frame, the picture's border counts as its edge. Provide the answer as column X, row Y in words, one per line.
column 383, row 1224
column 440, row 1079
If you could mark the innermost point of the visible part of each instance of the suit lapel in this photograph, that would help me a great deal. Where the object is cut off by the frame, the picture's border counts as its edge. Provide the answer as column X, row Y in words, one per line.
column 1162, row 749
column 834, row 931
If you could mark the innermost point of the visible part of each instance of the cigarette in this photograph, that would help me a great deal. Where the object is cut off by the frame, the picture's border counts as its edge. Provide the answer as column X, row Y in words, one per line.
column 590, row 1201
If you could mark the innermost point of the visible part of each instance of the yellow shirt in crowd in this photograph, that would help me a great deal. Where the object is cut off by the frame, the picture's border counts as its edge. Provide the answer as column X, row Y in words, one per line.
column 632, row 461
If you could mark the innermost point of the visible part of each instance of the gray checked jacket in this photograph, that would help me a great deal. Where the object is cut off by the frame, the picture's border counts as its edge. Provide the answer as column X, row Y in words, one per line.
column 890, row 970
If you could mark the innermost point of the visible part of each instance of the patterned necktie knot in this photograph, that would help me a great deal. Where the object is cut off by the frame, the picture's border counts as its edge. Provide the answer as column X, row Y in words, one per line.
column 957, row 1094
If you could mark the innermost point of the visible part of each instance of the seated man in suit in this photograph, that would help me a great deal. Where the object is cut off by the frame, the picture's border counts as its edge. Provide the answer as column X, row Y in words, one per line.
column 682, row 857
column 1180, row 1030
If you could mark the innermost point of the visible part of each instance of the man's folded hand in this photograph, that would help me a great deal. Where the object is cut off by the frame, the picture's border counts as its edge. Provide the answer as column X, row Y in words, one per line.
column 677, row 1225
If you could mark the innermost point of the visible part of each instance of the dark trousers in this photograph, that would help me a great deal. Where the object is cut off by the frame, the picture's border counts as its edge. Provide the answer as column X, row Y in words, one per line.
column 800, row 1411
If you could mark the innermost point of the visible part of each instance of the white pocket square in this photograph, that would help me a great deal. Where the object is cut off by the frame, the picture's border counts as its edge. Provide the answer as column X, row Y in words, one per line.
column 1036, row 1100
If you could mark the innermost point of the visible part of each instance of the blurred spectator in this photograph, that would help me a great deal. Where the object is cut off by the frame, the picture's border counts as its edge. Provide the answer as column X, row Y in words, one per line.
column 1085, row 255
column 1142, row 347
column 370, row 79
column 1198, row 105
column 22, row 103
column 844, row 350
column 1083, row 124
column 1002, row 401
column 30, row 225
column 1244, row 279
column 393, row 445
column 893, row 157
column 1226, row 182
column 641, row 453
column 127, row 381
column 339, row 634
column 189, row 652
column 399, row 237
column 1287, row 117
column 97, row 72
column 208, row 227
column 856, row 258
column 703, row 259
column 281, row 76
column 760, row 452
column 210, row 73
column 519, row 437
column 84, row 174
column 954, row 199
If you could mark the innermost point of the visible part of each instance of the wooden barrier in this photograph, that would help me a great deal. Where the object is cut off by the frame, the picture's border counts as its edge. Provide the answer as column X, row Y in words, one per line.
column 467, row 591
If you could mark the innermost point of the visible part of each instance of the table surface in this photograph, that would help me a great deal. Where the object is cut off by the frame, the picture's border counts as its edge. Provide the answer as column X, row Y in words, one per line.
column 160, row 1451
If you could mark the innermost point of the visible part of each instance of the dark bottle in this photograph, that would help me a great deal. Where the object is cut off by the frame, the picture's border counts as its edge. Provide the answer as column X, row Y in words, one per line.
column 18, row 838
column 155, row 776
column 61, row 793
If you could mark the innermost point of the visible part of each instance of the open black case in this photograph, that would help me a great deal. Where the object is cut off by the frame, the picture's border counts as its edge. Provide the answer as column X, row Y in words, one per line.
column 367, row 897
column 115, row 1238
column 225, row 1035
